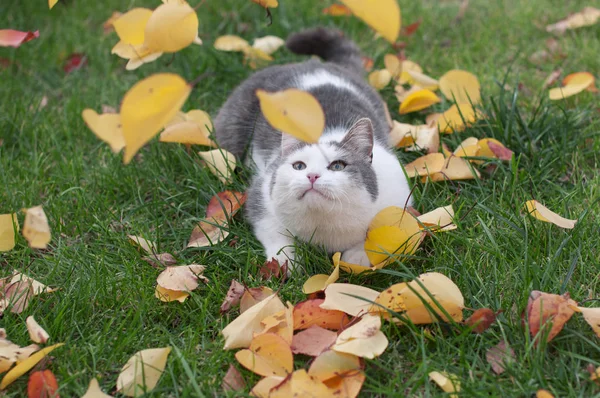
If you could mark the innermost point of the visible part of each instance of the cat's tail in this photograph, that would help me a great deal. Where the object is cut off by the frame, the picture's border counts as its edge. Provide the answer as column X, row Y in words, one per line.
column 329, row 44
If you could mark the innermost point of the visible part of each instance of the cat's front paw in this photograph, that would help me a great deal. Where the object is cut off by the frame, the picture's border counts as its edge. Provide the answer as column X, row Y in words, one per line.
column 356, row 255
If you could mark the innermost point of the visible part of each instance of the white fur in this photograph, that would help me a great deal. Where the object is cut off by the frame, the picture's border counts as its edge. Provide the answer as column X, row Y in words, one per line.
column 321, row 77
column 338, row 221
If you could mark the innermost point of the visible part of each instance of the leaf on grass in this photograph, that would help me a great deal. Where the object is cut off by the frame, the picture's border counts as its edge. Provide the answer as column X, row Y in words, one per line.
column 281, row 323
column 221, row 163
column 234, row 294
column 581, row 77
column 425, row 165
column 319, row 282
column 406, row 77
column 192, row 128
column 272, row 269
column 268, row 355
column 94, row 390
column 233, row 380
column 542, row 213
column 447, row 382
column 11, row 353
column 182, row 277
column 268, row 44
column 42, row 384
column 263, row 388
column 75, row 62
column 468, row 148
column 439, row 220
column 294, row 112
column 9, row 227
column 415, row 138
column 25, row 365
column 130, row 27
column 52, row 3
column 352, row 268
column 456, row 118
column 148, row 106
column 364, row 339
column 329, row 364
column 461, row 87
column 253, row 296
column 239, row 333
column 592, row 317
column 381, row 15
column 418, row 101
column 344, row 297
column 455, row 169
column 378, row 79
column 171, row 27
column 481, row 320
column 347, row 384
column 573, row 84
column 145, row 244
column 492, row 148
column 107, row 127
column 35, row 228
column 301, row 384
column 107, row 25
column 266, row 3
column 421, row 80
column 337, row 10
column 311, row 313
column 231, row 43
column 543, row 394
column 544, row 308
column 167, row 295
column 499, row 356
column 142, row 371
column 313, row 341
column 160, row 260
column 37, row 334
column 586, row 17
column 14, row 38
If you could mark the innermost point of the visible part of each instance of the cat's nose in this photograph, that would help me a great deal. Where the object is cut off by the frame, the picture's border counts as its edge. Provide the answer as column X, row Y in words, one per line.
column 312, row 177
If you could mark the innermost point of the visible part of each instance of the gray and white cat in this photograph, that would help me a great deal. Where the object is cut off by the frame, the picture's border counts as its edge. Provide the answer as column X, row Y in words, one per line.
column 325, row 193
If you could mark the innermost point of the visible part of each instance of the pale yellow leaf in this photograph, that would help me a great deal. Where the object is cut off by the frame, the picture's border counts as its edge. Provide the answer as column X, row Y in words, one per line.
column 268, row 355
column 456, row 118
column 331, row 363
column 575, row 83
column 171, row 28
column 344, row 297
column 320, row 282
column 447, row 382
column 9, row 227
column 423, row 80
column 469, row 147
column 425, row 165
column 262, row 389
column 231, row 43
column 460, row 86
column 592, row 317
column 145, row 244
column 181, row 277
column 378, row 79
column 407, row 67
column 455, row 169
column 221, row 163
column 268, row 44
column 107, row 127
column 35, row 228
column 37, row 334
column 542, row 213
column 586, row 17
column 393, row 65
column 142, row 371
column 439, row 219
column 94, row 390
column 301, row 384
column 363, row 339
column 192, row 128
column 381, row 15
column 167, row 295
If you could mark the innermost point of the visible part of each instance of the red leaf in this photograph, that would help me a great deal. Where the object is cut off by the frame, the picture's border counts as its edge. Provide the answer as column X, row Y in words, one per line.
column 544, row 308
column 367, row 63
column 411, row 29
column 500, row 151
column 75, row 62
column 42, row 384
column 14, row 38
column 308, row 313
column 272, row 269
column 481, row 320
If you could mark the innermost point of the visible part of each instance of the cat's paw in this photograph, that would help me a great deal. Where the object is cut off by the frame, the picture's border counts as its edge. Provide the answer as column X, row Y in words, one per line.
column 356, row 255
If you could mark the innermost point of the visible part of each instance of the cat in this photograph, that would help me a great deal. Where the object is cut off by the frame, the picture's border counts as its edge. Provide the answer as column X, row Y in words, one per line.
column 325, row 193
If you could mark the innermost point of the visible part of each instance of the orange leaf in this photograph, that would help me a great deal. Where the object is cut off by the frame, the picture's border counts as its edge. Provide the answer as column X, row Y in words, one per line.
column 546, row 307
column 336, row 10
column 309, row 313
column 481, row 320
column 42, row 384
column 268, row 355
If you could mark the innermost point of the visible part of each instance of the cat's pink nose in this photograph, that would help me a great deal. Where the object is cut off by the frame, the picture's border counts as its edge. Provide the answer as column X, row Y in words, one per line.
column 312, row 177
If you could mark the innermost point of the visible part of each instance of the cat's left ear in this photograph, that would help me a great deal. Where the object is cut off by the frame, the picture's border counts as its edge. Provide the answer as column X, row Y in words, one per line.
column 359, row 139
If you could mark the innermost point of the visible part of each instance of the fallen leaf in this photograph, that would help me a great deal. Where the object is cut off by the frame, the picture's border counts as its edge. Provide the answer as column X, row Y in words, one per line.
column 409, row 30
column 543, row 394
column 547, row 308
column 239, row 333
column 253, row 296
column 42, row 384
column 456, row 118
column 107, row 127
column 145, row 244
column 368, row 63
column 418, row 100
column 456, row 168
column 425, row 165
column 182, row 277
column 221, row 163
column 192, row 128
column 75, row 62
column 381, row 15
column 447, row 382
column 52, row 3
column 329, row 364
column 542, row 213
column 319, row 282
column 272, row 269
column 25, row 365
column 406, row 77
column 552, row 78
column 294, row 112
column 234, row 294
column 255, row 57
column 313, row 341
column 491, row 148
column 266, row 3
column 580, row 78
column 35, row 228
column 130, row 27
column 421, row 80
column 336, row 10
column 268, row 355
column 231, row 43
column 378, row 79
column 468, row 148
column 263, row 388
column 268, row 44
column 481, row 320
column 37, row 334
column 233, row 380
column 311, row 313
column 281, row 323
column 363, row 339
column 440, row 219
column 171, row 27
column 301, row 384
column 160, row 260
column 107, row 26
column 14, row 38
column 573, row 84
column 148, row 106
column 9, row 227
column 94, row 390
column 592, row 317
column 11, row 353
column 499, row 356
column 586, row 17
column 142, row 371
column 36, row 287
column 461, row 87
column 166, row 295
column 344, row 297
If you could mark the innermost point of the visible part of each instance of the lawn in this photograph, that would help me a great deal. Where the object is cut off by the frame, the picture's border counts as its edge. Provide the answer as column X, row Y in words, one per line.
column 105, row 309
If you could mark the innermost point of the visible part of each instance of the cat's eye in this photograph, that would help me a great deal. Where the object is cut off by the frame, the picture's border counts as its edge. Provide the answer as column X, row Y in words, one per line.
column 337, row 165
column 299, row 165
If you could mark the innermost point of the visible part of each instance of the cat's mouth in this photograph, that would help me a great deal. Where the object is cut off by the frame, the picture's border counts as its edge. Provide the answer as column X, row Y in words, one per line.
column 313, row 191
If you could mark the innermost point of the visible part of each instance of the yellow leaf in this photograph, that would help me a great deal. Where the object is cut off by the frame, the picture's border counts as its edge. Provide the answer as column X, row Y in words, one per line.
column 301, row 384
column 418, row 100
column 586, row 17
column 231, row 43
column 484, row 148
column 107, row 127
column 255, row 57
column 378, row 79
column 181, row 277
column 137, row 55
column 393, row 65
column 390, row 299
column 9, row 227
column 266, row 3
column 447, row 382
column 575, row 83
column 422, row 80
column 346, row 384
column 592, row 317
column 402, row 134
column 439, row 219
column 268, row 355
column 262, row 389
column 145, row 244
column 425, row 165
column 542, row 213
column 239, row 333
column 280, row 323
column 364, row 339
column 52, row 3
column 35, row 228
column 131, row 25
column 352, row 268
column 344, row 297
column 460, row 86
column 24, row 366
column 469, row 147
column 543, row 394
column 37, row 334
column 148, row 106
column 407, row 67
column 142, row 371
column 293, row 112
column 331, row 363
column 194, row 129
column 455, row 169
column 167, row 295
column 320, row 282
column 172, row 27
column 381, row 15
column 94, row 390
column 253, row 296
column 268, row 44
column 221, row 163
column 456, row 118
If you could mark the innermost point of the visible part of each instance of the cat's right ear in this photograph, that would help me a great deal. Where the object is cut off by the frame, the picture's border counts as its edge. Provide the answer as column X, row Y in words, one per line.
column 288, row 143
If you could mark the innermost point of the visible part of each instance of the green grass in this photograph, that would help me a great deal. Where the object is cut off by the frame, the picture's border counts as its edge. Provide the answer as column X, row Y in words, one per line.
column 105, row 309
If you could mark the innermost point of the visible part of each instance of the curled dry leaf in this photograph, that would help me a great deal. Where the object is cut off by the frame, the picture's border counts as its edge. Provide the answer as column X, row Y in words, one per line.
column 499, row 356
column 364, row 339
column 294, row 112
column 268, row 355
column 481, row 320
column 14, row 38
column 313, row 341
column 311, row 313
column 147, row 245
column 160, row 260
column 447, row 382
column 107, row 127
column 182, row 277
column 586, row 17
column 378, row 79
column 319, row 282
column 192, row 128
column 439, row 220
column 461, row 87
column 142, row 371
column 381, row 15
column 35, row 228
column 9, row 227
column 348, row 298
column 542, row 213
column 25, row 365
column 233, row 380
column 234, row 294
column 167, row 295
column 37, row 334
column 353, row 268
column 11, row 353
column 544, row 308
column 272, row 269
column 94, row 390
column 418, row 100
column 253, row 296
column 42, row 384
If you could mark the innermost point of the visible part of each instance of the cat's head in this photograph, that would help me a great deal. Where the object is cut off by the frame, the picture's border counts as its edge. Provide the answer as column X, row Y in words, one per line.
column 330, row 174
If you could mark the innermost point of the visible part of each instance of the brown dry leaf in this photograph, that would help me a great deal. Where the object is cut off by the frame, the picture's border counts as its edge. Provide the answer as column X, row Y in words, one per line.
column 364, row 339
column 181, row 278
column 147, row 245
column 160, row 260
column 343, row 297
column 500, row 151
column 586, row 17
column 37, row 334
column 16, row 295
column 253, row 296
column 552, row 78
column 546, row 307
column 542, row 213
column 313, row 341
column 499, row 356
column 447, row 382
column 592, row 317
column 234, row 294
column 268, row 355
column 233, row 380
column 35, row 228
column 310, row 313
column 272, row 269
column 481, row 320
